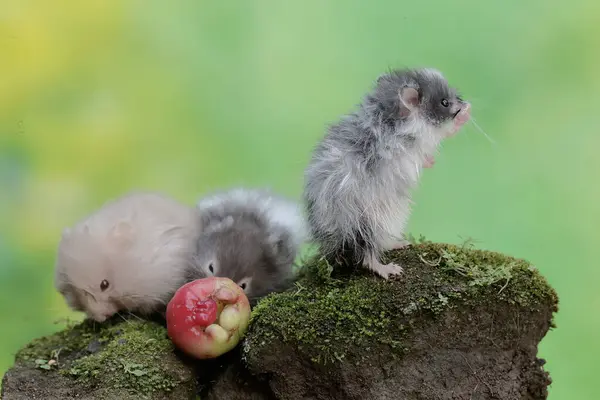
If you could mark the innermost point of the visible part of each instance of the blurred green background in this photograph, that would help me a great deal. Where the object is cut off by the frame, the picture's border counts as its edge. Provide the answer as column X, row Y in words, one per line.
column 99, row 97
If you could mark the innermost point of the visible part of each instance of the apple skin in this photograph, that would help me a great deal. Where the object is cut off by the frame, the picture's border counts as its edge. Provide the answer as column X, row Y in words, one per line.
column 208, row 317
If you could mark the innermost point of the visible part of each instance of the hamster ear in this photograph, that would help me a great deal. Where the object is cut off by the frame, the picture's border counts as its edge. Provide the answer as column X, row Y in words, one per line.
column 199, row 220
column 66, row 232
column 409, row 99
column 122, row 233
column 277, row 241
column 203, row 221
column 225, row 223
column 208, row 226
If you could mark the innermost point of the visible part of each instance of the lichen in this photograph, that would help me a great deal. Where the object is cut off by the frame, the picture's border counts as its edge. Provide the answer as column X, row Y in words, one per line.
column 133, row 355
column 335, row 312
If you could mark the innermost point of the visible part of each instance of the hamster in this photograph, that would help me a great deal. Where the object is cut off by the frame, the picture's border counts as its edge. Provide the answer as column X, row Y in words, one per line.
column 130, row 255
column 358, row 182
column 250, row 236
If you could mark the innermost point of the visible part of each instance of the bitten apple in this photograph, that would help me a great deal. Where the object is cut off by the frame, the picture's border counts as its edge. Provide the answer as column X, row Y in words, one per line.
column 208, row 317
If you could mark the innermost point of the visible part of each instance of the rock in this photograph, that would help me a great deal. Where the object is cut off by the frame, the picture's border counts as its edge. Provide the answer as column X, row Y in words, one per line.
column 458, row 324
column 92, row 363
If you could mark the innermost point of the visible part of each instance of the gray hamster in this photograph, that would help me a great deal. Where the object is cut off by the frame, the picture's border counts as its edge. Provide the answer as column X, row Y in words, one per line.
column 130, row 255
column 357, row 185
column 250, row 236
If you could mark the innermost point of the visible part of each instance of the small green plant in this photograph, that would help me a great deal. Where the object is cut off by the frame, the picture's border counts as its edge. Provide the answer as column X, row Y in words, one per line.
column 134, row 369
column 45, row 364
column 416, row 240
column 479, row 273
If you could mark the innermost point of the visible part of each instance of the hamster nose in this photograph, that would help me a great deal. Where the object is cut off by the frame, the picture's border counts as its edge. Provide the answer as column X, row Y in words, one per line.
column 100, row 318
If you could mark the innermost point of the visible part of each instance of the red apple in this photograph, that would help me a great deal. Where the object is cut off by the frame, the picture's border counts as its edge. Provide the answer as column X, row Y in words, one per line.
column 208, row 317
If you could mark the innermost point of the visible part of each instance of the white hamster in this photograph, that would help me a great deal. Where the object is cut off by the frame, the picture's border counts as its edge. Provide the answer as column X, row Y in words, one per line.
column 130, row 255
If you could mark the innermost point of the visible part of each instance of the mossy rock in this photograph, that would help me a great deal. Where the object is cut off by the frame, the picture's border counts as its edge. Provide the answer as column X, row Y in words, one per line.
column 457, row 324
column 120, row 359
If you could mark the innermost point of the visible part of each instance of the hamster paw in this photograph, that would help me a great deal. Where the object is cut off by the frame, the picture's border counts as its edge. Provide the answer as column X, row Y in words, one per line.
column 384, row 270
column 429, row 161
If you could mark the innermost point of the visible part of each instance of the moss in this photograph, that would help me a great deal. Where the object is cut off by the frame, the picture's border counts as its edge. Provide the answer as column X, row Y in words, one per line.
column 132, row 355
column 73, row 338
column 334, row 310
column 516, row 280
column 132, row 361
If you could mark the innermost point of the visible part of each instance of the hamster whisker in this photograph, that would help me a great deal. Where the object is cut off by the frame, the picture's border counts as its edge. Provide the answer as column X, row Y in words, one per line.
column 139, row 296
column 134, row 316
column 482, row 131
column 134, row 296
column 124, row 319
column 88, row 293
column 475, row 100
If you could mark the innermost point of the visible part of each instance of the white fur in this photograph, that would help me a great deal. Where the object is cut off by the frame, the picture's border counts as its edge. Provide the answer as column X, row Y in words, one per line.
column 140, row 243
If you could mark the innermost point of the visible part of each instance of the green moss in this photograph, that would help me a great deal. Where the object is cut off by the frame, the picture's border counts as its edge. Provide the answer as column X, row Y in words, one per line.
column 132, row 360
column 333, row 310
column 74, row 337
column 132, row 355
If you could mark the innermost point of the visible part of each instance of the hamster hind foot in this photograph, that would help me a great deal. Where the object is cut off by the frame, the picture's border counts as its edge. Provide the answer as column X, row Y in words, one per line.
column 383, row 270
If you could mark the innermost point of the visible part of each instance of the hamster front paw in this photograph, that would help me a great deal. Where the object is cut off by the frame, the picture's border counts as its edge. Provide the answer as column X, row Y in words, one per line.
column 429, row 161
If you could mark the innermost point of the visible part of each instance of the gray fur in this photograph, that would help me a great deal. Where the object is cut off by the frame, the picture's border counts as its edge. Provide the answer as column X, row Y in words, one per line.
column 358, row 183
column 250, row 236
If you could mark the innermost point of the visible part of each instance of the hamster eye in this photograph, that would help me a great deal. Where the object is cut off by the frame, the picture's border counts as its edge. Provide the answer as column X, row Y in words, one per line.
column 104, row 285
column 445, row 102
column 211, row 269
column 244, row 283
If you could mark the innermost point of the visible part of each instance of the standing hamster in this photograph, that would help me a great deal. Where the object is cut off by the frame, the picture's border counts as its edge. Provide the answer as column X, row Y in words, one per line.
column 358, row 183
column 250, row 236
column 130, row 255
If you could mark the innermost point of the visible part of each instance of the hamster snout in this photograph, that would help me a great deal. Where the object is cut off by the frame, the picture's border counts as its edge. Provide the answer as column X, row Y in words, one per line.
column 100, row 312
column 462, row 116
column 103, row 317
column 97, row 308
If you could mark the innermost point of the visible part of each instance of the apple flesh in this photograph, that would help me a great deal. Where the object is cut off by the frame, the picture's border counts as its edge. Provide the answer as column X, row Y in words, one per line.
column 207, row 317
